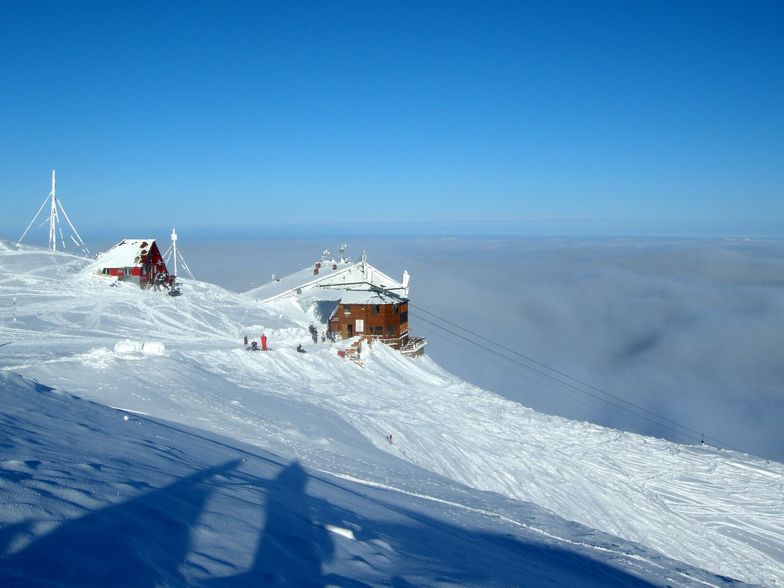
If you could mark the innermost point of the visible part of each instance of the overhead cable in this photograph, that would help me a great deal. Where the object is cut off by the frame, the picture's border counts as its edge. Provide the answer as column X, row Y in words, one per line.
column 568, row 382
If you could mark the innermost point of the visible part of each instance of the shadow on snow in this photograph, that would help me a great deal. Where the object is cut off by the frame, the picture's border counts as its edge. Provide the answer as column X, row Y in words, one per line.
column 145, row 542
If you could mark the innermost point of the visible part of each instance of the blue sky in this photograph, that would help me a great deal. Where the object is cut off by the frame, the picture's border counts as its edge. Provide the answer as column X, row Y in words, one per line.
column 224, row 114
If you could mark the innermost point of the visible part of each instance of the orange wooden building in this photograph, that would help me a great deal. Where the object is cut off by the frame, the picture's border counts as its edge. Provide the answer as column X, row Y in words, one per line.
column 372, row 313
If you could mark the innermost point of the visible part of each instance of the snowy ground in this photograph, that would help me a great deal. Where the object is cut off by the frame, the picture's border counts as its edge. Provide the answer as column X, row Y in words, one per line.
column 197, row 462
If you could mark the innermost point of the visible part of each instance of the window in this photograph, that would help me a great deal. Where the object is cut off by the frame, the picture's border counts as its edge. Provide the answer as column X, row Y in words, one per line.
column 375, row 309
column 403, row 317
column 347, row 309
column 390, row 331
column 378, row 330
column 359, row 326
column 395, row 309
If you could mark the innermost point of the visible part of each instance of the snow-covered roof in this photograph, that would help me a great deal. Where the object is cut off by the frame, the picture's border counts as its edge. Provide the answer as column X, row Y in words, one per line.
column 369, row 297
column 127, row 253
column 359, row 275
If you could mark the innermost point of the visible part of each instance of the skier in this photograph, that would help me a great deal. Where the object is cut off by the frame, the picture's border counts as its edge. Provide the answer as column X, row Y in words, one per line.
column 263, row 342
column 245, row 340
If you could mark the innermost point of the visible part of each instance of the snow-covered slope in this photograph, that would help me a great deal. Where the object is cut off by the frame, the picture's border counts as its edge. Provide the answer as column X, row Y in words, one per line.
column 461, row 456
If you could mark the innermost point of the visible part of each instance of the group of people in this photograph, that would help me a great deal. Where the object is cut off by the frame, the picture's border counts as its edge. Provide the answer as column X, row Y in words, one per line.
column 325, row 335
column 254, row 346
column 314, row 334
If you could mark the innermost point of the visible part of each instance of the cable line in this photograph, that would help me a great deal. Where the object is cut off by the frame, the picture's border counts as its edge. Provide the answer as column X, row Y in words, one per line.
column 561, row 382
column 625, row 406
column 560, row 373
column 586, row 400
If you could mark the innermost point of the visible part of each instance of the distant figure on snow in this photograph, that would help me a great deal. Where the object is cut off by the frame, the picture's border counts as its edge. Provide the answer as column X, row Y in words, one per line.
column 300, row 349
column 263, row 342
column 390, row 440
column 254, row 346
column 245, row 340
column 313, row 333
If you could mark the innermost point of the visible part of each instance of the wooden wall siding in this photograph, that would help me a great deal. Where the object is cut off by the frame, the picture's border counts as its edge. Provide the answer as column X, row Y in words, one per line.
column 384, row 317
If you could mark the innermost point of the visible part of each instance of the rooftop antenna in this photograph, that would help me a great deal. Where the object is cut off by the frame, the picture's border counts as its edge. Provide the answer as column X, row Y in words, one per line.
column 172, row 253
column 55, row 207
column 342, row 252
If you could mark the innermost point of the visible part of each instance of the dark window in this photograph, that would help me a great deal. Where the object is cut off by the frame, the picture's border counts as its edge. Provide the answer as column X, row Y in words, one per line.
column 395, row 308
column 378, row 330
column 403, row 317
column 347, row 308
column 375, row 309
column 390, row 331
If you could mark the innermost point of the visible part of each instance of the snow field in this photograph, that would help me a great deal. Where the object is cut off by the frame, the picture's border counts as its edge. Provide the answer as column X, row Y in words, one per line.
column 118, row 499
column 710, row 509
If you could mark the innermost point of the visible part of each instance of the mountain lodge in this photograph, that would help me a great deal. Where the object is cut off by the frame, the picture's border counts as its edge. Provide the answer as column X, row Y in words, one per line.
column 137, row 260
column 350, row 299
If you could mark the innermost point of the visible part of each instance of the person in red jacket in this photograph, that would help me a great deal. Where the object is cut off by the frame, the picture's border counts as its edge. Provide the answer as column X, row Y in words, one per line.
column 263, row 342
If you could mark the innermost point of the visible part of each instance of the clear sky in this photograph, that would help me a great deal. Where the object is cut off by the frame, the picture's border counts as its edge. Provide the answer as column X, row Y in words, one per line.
column 346, row 113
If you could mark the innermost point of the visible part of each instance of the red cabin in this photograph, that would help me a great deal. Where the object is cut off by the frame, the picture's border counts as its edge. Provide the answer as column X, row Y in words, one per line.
column 137, row 260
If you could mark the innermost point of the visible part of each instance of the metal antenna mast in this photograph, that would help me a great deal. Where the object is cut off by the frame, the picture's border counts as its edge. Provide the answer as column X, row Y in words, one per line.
column 174, row 249
column 172, row 253
column 54, row 221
